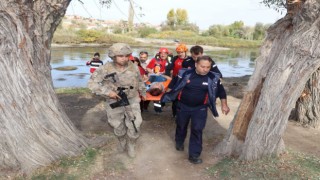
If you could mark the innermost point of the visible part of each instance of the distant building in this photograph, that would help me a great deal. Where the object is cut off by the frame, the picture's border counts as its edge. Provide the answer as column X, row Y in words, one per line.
column 79, row 22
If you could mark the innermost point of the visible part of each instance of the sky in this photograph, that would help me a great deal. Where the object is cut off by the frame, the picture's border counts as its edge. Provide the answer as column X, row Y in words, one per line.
column 203, row 13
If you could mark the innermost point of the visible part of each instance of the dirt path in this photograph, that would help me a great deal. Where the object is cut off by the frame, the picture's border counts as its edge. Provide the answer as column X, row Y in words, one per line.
column 156, row 155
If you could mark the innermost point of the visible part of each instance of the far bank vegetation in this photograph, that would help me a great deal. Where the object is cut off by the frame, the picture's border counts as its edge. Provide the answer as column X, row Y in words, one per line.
column 76, row 30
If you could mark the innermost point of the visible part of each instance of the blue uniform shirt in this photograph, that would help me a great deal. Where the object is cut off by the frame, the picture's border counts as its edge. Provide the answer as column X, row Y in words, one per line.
column 195, row 92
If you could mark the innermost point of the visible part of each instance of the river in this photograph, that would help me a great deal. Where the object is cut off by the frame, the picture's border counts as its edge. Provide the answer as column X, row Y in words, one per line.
column 232, row 63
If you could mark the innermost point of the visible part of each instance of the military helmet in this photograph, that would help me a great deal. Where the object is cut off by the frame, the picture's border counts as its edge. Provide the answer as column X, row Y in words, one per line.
column 119, row 49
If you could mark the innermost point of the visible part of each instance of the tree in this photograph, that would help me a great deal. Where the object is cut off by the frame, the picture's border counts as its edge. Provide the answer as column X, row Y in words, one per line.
column 181, row 16
column 171, row 18
column 307, row 110
column 289, row 55
column 34, row 127
column 259, row 31
column 236, row 29
column 216, row 30
column 178, row 21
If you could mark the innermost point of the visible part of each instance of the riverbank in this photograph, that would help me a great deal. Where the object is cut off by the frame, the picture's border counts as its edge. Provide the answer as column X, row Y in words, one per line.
column 156, row 156
column 142, row 42
column 160, row 38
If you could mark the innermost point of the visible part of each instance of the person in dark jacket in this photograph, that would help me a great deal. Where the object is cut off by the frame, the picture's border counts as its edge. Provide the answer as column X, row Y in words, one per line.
column 197, row 51
column 196, row 90
column 190, row 61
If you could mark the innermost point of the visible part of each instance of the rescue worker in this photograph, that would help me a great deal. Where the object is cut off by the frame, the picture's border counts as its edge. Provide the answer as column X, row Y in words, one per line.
column 196, row 90
column 174, row 68
column 159, row 65
column 177, row 60
column 107, row 81
column 197, row 51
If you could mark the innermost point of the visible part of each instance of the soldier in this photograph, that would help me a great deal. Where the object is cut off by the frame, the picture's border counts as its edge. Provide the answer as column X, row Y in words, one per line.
column 121, row 74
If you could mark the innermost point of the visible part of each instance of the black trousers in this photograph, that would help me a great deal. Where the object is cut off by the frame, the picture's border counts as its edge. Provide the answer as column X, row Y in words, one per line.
column 198, row 117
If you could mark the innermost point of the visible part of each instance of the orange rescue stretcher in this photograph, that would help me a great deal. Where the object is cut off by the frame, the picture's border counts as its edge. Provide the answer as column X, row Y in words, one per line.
column 150, row 97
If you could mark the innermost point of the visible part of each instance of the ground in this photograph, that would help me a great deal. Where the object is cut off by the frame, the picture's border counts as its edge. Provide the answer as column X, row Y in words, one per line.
column 156, row 155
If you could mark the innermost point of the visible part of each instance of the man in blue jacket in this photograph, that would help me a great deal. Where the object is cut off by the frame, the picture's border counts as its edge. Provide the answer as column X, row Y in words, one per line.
column 196, row 90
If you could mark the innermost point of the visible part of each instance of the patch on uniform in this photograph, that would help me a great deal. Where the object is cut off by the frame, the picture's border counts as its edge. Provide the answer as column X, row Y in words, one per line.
column 205, row 83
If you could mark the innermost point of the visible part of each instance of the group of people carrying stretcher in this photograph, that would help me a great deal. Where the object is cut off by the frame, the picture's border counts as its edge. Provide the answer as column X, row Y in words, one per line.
column 159, row 71
column 190, row 83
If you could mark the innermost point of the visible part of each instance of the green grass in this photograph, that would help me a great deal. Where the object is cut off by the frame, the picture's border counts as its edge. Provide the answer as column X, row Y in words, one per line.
column 310, row 163
column 194, row 38
column 70, row 36
column 72, row 90
column 69, row 167
column 288, row 166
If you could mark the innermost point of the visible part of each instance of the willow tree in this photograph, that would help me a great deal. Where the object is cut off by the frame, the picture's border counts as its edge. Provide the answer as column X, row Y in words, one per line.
column 289, row 56
column 34, row 129
column 307, row 110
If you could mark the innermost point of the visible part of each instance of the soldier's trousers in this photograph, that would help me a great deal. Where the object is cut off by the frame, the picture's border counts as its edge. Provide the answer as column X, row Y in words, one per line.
column 121, row 122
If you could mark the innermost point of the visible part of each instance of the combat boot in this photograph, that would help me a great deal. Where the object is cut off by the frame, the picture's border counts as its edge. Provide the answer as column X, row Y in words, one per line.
column 131, row 148
column 122, row 143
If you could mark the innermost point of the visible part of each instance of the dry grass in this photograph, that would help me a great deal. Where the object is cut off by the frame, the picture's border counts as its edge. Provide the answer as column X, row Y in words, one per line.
column 290, row 165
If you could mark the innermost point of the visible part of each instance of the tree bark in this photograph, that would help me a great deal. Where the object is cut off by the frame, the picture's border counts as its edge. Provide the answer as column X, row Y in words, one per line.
column 34, row 128
column 307, row 111
column 289, row 55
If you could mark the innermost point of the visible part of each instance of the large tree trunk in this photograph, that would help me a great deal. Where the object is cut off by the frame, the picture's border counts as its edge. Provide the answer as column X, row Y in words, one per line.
column 307, row 111
column 34, row 128
column 289, row 55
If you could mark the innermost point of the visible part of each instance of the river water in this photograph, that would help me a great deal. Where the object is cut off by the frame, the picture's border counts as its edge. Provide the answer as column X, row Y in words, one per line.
column 232, row 63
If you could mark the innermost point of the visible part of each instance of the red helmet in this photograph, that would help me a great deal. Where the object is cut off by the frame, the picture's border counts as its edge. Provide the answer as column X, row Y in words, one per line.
column 131, row 58
column 165, row 50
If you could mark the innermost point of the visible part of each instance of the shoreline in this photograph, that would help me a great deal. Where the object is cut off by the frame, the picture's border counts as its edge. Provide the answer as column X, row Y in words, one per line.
column 171, row 44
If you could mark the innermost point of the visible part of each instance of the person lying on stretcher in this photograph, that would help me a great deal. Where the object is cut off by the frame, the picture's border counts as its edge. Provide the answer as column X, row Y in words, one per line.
column 156, row 86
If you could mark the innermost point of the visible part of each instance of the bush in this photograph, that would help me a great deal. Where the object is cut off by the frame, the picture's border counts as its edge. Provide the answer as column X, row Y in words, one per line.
column 89, row 36
column 146, row 31
column 112, row 38
column 173, row 34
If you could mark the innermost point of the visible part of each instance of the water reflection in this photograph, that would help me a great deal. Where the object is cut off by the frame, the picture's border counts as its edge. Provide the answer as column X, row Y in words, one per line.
column 232, row 63
column 236, row 62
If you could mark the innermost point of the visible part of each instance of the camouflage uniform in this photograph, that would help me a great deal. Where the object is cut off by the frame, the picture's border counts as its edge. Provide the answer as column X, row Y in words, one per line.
column 130, row 79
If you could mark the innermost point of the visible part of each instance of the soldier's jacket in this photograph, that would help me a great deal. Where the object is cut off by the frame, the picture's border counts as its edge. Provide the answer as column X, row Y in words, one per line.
column 130, row 76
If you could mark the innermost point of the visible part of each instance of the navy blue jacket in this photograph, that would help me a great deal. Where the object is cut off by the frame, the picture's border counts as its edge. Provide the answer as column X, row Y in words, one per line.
column 213, row 90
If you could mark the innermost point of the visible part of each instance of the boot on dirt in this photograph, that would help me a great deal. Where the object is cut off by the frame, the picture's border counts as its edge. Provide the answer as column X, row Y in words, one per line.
column 122, row 144
column 131, row 148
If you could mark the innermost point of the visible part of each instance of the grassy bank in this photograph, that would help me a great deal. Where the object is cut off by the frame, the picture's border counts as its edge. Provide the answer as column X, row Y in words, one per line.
column 291, row 165
column 72, row 90
column 101, row 37
column 194, row 38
